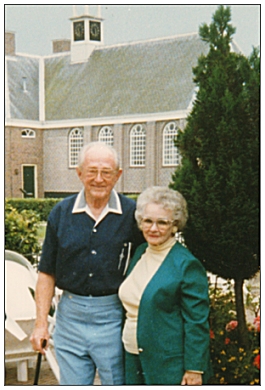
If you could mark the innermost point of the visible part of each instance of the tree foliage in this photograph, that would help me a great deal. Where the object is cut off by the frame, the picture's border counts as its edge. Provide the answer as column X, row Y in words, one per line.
column 219, row 175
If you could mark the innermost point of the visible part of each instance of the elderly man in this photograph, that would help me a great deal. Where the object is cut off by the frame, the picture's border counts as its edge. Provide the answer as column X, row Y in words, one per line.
column 88, row 243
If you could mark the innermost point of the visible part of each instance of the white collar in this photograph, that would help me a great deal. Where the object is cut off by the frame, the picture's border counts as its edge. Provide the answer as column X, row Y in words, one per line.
column 113, row 206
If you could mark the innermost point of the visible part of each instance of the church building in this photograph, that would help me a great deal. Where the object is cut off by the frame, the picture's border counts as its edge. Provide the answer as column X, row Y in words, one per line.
column 134, row 96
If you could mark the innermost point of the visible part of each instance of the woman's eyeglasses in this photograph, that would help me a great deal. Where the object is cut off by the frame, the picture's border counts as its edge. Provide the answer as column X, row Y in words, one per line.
column 161, row 223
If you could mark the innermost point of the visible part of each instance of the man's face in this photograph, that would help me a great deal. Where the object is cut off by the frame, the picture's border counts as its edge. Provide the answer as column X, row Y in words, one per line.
column 98, row 174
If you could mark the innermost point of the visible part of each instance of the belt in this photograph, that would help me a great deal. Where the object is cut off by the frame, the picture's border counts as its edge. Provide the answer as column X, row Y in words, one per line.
column 93, row 300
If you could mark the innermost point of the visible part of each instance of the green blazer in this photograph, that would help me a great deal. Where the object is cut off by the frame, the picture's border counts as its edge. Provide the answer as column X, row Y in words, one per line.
column 173, row 331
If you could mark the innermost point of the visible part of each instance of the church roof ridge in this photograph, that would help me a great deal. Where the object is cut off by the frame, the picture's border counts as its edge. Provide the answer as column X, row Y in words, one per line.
column 149, row 40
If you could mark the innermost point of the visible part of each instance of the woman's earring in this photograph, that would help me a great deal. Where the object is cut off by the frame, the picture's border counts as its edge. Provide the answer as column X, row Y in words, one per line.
column 174, row 229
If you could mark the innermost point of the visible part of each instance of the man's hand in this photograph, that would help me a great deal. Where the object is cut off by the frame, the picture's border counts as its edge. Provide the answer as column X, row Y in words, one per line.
column 43, row 297
column 192, row 379
column 38, row 335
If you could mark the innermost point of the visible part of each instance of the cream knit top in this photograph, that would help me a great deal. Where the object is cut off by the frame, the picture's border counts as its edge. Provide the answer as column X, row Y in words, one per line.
column 131, row 290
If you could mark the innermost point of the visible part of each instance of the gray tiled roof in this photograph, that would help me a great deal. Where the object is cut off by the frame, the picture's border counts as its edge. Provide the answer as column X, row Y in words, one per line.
column 23, row 105
column 146, row 77
column 137, row 78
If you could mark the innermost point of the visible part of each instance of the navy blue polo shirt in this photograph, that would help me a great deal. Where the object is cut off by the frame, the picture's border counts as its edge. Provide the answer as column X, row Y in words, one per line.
column 89, row 257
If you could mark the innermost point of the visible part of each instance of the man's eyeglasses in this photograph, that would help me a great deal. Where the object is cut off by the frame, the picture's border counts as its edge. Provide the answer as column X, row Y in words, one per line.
column 161, row 224
column 104, row 173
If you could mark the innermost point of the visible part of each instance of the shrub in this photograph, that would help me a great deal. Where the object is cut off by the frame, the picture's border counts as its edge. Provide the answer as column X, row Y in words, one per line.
column 21, row 232
column 133, row 196
column 231, row 363
column 41, row 206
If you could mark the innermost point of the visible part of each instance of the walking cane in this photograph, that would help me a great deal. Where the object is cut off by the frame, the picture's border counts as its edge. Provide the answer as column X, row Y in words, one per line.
column 37, row 372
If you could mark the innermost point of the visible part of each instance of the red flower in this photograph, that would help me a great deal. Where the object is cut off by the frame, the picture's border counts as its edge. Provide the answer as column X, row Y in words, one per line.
column 212, row 334
column 256, row 361
column 227, row 340
column 256, row 323
column 231, row 326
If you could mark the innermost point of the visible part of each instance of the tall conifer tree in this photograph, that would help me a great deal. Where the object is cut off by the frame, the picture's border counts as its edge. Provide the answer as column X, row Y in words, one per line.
column 219, row 173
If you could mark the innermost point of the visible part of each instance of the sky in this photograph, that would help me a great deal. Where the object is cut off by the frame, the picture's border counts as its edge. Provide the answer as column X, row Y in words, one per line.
column 36, row 26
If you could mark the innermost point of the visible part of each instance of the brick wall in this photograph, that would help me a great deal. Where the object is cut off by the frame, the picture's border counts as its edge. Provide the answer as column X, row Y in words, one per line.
column 10, row 44
column 49, row 152
column 61, row 45
column 57, row 175
column 21, row 151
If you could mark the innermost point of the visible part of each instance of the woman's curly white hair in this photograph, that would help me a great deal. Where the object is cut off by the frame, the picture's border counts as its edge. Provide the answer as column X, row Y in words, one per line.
column 169, row 199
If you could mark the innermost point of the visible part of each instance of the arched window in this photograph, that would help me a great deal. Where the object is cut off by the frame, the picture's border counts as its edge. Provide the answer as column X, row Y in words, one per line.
column 137, row 146
column 106, row 135
column 170, row 152
column 28, row 133
column 76, row 142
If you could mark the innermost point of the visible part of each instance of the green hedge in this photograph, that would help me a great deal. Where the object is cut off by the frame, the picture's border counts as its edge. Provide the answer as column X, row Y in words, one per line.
column 40, row 206
column 133, row 196
column 21, row 232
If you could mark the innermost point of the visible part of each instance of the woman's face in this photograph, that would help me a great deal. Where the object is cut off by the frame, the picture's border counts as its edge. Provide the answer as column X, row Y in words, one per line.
column 157, row 224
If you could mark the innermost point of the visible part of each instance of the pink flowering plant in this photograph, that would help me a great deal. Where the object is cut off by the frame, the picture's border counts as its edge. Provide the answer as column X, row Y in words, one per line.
column 231, row 363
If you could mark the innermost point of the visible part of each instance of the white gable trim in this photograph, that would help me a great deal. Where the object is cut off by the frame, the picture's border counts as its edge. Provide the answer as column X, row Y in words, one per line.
column 7, row 100
column 41, row 90
column 172, row 115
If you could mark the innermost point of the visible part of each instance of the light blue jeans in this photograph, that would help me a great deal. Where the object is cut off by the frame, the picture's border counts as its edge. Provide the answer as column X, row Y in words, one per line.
column 88, row 337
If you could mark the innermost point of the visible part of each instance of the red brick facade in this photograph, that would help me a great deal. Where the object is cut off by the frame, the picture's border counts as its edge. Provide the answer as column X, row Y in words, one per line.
column 20, row 151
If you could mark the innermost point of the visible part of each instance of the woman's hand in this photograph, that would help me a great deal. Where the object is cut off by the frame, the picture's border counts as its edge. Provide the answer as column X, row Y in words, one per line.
column 191, row 378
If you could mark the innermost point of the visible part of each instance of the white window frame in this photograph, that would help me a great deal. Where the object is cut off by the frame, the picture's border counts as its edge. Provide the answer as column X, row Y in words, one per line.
column 171, row 156
column 28, row 133
column 76, row 142
column 137, row 146
column 106, row 135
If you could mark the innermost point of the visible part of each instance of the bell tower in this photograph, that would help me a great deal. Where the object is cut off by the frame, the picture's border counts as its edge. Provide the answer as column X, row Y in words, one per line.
column 86, row 34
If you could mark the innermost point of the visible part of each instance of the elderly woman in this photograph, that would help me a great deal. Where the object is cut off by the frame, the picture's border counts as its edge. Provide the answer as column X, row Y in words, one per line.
column 165, row 296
